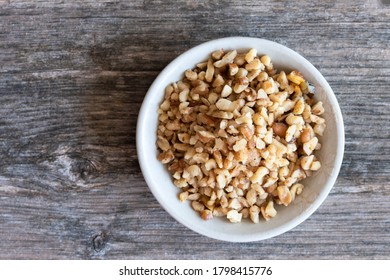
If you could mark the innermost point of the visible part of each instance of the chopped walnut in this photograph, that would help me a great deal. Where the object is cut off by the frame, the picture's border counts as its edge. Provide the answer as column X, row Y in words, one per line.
column 238, row 136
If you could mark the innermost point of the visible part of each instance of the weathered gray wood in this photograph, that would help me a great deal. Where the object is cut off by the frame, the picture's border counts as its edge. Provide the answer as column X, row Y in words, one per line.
column 72, row 78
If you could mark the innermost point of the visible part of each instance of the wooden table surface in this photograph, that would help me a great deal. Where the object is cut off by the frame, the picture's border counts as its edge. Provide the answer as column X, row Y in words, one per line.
column 73, row 75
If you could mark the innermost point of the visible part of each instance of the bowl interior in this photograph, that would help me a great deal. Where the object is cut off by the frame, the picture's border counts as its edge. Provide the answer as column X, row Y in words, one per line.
column 317, row 187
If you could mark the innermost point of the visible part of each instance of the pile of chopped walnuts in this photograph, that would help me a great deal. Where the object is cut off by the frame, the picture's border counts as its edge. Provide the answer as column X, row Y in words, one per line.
column 238, row 136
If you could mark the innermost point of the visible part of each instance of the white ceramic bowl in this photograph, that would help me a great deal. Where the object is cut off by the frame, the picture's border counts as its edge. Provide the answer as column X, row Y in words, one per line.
column 317, row 187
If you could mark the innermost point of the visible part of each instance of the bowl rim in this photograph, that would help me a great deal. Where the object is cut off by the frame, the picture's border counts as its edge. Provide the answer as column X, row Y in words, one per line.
column 258, row 235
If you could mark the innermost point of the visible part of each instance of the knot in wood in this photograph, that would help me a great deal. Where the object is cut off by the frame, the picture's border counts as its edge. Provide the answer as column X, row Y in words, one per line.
column 83, row 168
column 99, row 242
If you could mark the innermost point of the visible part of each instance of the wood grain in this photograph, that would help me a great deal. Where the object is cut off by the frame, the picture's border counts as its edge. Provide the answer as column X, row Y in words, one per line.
column 73, row 75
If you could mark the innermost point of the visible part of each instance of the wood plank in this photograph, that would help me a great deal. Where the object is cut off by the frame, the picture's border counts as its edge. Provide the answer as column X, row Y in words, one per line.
column 73, row 75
